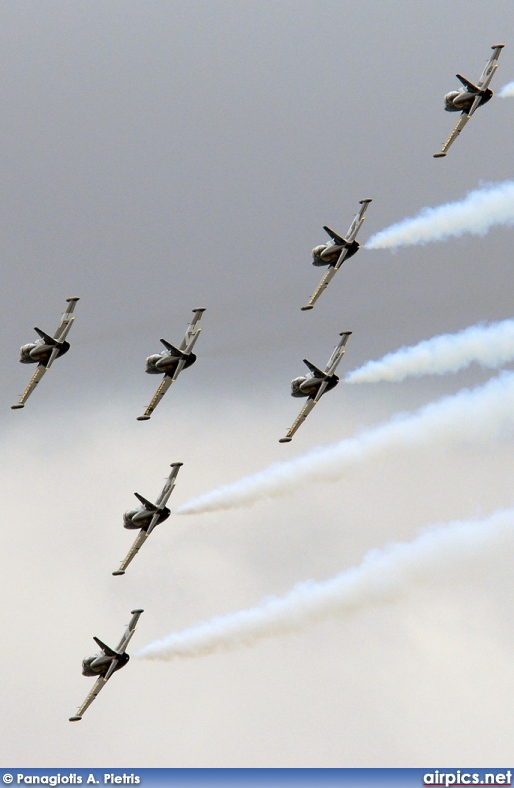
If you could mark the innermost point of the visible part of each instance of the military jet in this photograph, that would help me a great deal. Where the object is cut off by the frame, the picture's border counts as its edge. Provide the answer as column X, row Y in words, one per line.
column 469, row 97
column 172, row 361
column 316, row 383
column 45, row 350
column 336, row 252
column 105, row 663
column 147, row 516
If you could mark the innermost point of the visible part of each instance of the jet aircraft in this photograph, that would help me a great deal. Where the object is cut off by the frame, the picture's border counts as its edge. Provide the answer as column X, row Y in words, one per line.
column 45, row 350
column 469, row 97
column 172, row 361
column 105, row 663
column 147, row 516
column 336, row 252
column 316, row 383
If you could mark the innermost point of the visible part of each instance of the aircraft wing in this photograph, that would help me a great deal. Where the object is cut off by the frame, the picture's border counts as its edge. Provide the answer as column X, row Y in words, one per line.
column 66, row 320
column 325, row 281
column 337, row 354
column 159, row 394
column 131, row 628
column 168, row 488
column 492, row 65
column 309, row 405
column 63, row 328
column 97, row 687
column 357, row 222
column 36, row 377
column 136, row 547
column 455, row 133
column 193, row 331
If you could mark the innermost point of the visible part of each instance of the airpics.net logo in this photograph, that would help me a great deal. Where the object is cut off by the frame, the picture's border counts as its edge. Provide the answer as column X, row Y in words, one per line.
column 467, row 778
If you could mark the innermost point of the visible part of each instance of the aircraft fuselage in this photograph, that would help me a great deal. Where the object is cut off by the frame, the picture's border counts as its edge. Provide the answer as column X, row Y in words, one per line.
column 308, row 385
column 39, row 352
column 99, row 664
column 328, row 254
column 462, row 100
column 166, row 363
column 141, row 518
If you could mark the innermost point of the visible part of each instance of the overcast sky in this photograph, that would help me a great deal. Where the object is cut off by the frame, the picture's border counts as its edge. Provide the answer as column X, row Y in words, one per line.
column 162, row 156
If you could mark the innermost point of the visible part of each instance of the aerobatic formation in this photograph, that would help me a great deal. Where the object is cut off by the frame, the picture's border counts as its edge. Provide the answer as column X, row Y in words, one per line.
column 436, row 356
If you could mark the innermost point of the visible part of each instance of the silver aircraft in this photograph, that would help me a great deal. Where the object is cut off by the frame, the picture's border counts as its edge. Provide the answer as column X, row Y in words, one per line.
column 105, row 663
column 336, row 252
column 147, row 516
column 172, row 361
column 316, row 383
column 469, row 97
column 45, row 350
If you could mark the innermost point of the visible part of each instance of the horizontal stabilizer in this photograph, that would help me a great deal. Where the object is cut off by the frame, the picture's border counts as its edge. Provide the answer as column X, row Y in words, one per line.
column 318, row 372
column 176, row 352
column 48, row 339
column 467, row 84
column 151, row 507
column 107, row 649
column 75, row 719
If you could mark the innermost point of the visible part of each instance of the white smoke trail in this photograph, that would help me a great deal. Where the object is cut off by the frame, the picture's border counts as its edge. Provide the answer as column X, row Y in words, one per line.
column 383, row 576
column 507, row 91
column 480, row 414
column 476, row 213
column 489, row 345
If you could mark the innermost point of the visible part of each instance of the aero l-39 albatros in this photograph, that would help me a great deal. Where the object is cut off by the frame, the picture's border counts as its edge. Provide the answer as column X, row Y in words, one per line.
column 45, row 350
column 172, row 361
column 147, row 516
column 316, row 383
column 336, row 252
column 469, row 97
column 105, row 663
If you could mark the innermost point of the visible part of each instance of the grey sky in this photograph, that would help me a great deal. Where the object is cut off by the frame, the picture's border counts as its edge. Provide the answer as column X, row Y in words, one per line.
column 161, row 156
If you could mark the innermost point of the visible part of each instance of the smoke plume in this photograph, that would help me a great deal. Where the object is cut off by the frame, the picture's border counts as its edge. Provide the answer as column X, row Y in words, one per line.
column 476, row 213
column 488, row 345
column 383, row 576
column 481, row 414
column 507, row 91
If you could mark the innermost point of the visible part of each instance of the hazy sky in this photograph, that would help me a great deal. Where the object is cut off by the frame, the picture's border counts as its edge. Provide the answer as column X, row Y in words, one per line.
column 162, row 156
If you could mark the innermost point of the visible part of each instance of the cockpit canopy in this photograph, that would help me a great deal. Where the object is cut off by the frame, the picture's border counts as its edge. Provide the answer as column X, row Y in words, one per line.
column 450, row 97
column 316, row 252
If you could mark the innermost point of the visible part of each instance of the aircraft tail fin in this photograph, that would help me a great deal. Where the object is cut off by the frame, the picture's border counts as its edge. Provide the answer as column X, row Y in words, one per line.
column 174, row 350
column 107, row 649
column 318, row 372
column 467, row 84
column 48, row 339
column 337, row 239
column 151, row 507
